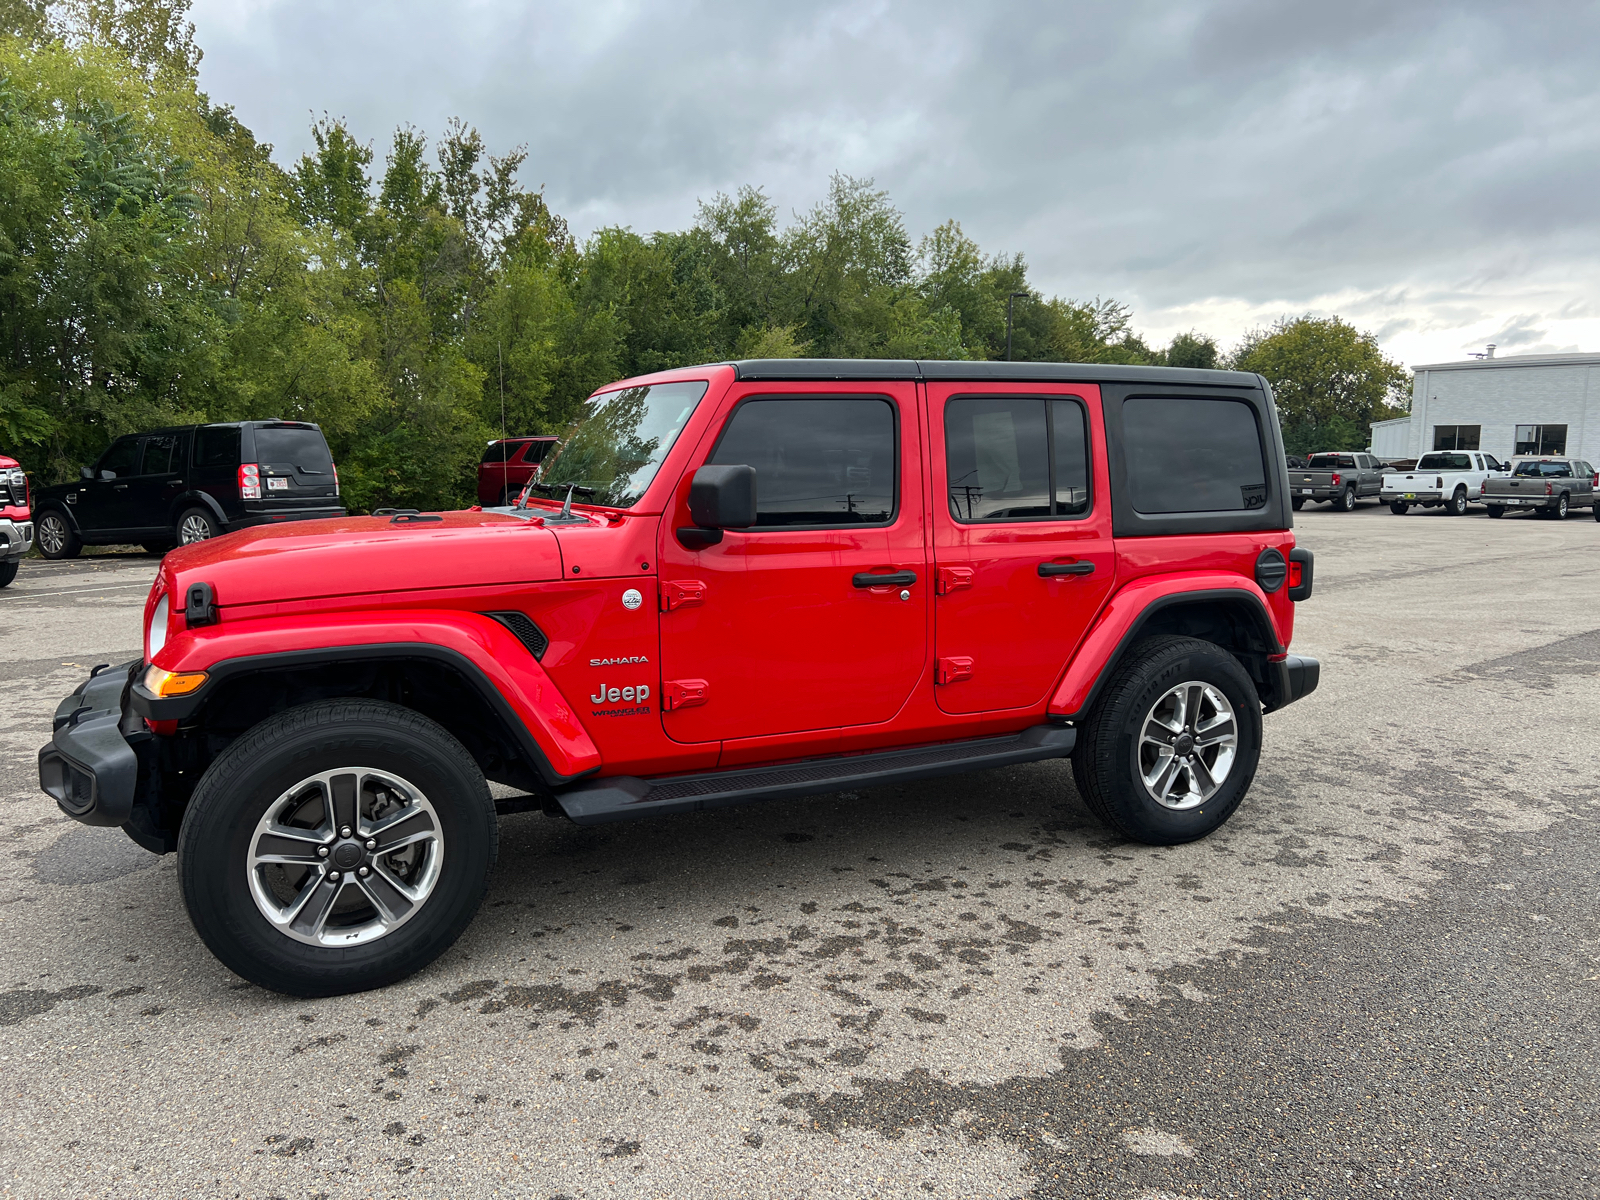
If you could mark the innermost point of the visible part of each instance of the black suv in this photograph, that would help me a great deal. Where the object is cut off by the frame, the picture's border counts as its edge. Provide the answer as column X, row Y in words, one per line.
column 175, row 486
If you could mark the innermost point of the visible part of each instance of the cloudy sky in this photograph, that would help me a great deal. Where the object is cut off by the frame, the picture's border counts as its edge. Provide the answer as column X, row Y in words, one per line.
column 1428, row 171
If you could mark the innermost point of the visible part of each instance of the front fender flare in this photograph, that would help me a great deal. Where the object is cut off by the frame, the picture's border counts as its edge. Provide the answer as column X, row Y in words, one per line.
column 1129, row 610
column 484, row 651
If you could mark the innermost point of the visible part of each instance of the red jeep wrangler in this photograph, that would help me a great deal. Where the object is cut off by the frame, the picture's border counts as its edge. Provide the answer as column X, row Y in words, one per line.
column 763, row 579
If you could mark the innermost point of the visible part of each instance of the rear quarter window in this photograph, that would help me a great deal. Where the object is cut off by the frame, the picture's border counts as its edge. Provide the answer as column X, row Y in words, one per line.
column 1193, row 455
column 217, row 446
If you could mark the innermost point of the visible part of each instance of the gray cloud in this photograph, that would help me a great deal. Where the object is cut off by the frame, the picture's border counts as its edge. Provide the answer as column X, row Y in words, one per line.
column 1249, row 154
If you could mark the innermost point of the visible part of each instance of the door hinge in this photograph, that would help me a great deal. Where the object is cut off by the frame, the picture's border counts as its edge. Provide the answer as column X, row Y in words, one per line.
column 682, row 593
column 952, row 579
column 683, row 693
column 954, row 669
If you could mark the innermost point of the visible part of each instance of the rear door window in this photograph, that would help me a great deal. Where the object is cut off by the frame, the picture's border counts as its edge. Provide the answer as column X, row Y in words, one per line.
column 1194, row 455
column 819, row 463
column 1016, row 459
column 161, row 455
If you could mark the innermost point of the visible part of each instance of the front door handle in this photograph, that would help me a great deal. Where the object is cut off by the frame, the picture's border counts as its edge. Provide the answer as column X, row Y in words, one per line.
column 1047, row 569
column 866, row 579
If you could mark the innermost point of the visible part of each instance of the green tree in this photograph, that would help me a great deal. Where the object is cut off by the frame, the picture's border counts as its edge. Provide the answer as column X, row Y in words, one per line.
column 1193, row 350
column 1330, row 379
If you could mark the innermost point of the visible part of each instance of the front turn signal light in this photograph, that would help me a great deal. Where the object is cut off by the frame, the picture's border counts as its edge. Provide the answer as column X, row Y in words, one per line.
column 167, row 683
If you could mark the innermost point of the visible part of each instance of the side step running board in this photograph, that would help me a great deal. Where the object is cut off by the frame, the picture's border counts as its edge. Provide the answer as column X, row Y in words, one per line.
column 623, row 797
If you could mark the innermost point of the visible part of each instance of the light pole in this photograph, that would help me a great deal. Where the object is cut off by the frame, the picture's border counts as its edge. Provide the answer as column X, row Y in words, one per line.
column 1011, row 302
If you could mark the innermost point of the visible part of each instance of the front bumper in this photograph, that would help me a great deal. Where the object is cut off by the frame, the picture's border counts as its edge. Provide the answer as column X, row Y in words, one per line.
column 90, row 767
column 16, row 538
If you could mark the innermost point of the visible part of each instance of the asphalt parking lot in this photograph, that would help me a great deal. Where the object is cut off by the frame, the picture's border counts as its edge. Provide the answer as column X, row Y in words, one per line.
column 1382, row 977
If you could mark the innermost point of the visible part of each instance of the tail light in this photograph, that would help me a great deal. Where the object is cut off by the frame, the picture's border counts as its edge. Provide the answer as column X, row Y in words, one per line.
column 249, row 481
column 1597, row 481
column 1336, row 479
column 1549, row 489
column 335, row 467
column 1296, row 573
column 1439, row 482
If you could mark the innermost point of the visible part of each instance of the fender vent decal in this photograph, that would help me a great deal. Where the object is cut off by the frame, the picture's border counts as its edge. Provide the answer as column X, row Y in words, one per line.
column 529, row 634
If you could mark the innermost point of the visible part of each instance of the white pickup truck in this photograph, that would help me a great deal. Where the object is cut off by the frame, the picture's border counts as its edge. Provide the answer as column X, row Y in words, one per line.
column 1447, row 477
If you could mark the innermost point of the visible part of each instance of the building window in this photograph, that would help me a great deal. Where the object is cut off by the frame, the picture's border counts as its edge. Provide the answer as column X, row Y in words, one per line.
column 1455, row 437
column 1541, row 439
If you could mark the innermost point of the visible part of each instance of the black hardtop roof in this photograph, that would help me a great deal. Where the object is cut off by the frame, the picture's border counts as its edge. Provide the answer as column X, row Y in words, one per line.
column 776, row 369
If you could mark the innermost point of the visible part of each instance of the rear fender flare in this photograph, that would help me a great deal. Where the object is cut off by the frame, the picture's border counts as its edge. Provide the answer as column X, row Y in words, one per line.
column 485, row 653
column 1128, row 614
column 196, row 500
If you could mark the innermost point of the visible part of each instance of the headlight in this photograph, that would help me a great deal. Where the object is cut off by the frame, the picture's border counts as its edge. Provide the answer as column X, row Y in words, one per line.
column 156, row 636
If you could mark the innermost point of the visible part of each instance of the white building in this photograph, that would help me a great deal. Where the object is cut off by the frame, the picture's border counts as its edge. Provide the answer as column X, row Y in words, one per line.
column 1520, row 404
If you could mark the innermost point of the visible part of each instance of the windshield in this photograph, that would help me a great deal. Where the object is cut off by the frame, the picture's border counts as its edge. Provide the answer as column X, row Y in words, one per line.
column 1536, row 469
column 1445, row 462
column 1327, row 462
column 621, row 438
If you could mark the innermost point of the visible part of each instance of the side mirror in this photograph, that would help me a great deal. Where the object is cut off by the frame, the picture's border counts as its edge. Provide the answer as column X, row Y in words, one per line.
column 722, row 497
column 85, row 473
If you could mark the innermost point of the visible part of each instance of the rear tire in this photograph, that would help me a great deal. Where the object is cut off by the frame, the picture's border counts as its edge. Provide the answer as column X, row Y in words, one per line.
column 55, row 537
column 249, row 858
column 1346, row 501
column 1499, row 510
column 156, row 547
column 8, row 571
column 1118, row 757
column 1296, row 503
column 196, row 525
column 1399, row 508
column 1559, row 512
column 1456, row 506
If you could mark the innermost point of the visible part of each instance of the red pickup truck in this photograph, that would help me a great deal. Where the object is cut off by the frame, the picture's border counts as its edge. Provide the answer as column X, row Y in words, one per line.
column 754, row 580
column 16, row 527
column 507, row 466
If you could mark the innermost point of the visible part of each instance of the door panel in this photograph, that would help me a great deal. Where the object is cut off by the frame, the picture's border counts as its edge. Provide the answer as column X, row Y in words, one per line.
column 102, row 504
column 771, row 631
column 160, row 481
column 1021, row 537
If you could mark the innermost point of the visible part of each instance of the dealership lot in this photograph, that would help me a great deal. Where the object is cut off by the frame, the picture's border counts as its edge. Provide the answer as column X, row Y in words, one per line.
column 1382, row 975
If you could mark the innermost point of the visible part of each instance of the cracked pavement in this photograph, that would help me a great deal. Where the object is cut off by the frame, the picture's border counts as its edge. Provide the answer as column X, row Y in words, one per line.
column 1381, row 976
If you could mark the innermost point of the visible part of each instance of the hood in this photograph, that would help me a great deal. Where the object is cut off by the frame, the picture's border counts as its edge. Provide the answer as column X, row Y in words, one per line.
column 359, row 556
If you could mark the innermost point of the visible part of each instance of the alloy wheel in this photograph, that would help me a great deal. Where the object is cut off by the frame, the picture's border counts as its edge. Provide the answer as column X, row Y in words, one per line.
column 1187, row 745
column 194, row 528
column 52, row 534
column 345, row 857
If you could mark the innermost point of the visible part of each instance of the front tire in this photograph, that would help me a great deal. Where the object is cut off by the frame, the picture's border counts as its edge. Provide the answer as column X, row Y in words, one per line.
column 336, row 847
column 1456, row 506
column 196, row 525
column 55, row 537
column 1171, row 748
column 8, row 571
column 1346, row 501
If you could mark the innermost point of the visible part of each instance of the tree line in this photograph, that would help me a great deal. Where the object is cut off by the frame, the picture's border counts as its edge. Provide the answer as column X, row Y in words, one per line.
column 159, row 267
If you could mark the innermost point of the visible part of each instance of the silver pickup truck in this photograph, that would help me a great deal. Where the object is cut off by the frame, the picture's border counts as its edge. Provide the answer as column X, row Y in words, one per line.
column 1551, row 487
column 1339, row 478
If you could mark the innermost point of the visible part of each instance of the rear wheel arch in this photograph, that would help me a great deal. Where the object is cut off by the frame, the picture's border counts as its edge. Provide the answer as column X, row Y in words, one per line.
column 194, row 499
column 1234, row 620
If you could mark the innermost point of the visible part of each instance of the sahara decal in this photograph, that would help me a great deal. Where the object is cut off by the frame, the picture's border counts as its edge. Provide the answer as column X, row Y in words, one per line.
column 615, row 662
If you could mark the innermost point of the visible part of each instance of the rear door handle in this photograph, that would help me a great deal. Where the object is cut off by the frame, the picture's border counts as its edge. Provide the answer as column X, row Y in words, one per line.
column 1047, row 569
column 866, row 579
